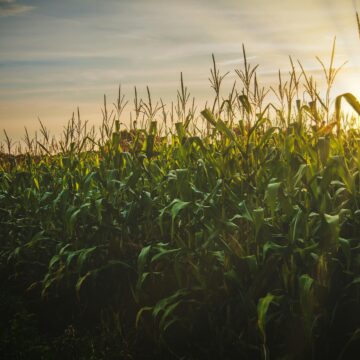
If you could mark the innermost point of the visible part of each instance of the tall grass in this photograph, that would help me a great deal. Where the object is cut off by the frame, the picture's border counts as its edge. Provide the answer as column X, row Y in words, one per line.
column 232, row 232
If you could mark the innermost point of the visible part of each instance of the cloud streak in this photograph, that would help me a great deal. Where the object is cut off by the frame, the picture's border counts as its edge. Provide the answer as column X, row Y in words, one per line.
column 12, row 8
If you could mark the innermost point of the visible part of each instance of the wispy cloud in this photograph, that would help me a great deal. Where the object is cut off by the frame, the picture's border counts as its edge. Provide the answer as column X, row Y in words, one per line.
column 236, row 61
column 12, row 7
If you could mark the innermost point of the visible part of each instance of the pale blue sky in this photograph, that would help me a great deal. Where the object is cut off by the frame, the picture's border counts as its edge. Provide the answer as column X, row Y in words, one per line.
column 56, row 55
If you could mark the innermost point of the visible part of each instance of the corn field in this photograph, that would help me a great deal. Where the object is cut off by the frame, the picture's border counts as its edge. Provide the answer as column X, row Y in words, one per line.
column 230, row 231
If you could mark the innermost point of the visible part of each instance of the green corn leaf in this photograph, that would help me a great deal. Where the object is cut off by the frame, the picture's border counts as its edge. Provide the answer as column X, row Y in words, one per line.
column 258, row 216
column 36, row 182
column 162, row 305
column 351, row 100
column 262, row 309
column 149, row 145
column 324, row 149
column 245, row 103
column 140, row 313
column 84, row 256
column 244, row 212
column 80, row 283
column 307, row 302
column 271, row 195
column 271, row 246
column 334, row 226
column 143, row 258
column 180, row 129
column 218, row 124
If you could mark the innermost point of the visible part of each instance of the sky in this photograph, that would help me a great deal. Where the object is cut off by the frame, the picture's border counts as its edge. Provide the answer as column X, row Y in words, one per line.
column 56, row 55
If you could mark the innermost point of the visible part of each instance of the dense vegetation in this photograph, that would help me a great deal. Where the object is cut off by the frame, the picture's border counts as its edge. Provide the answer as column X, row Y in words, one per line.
column 230, row 234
